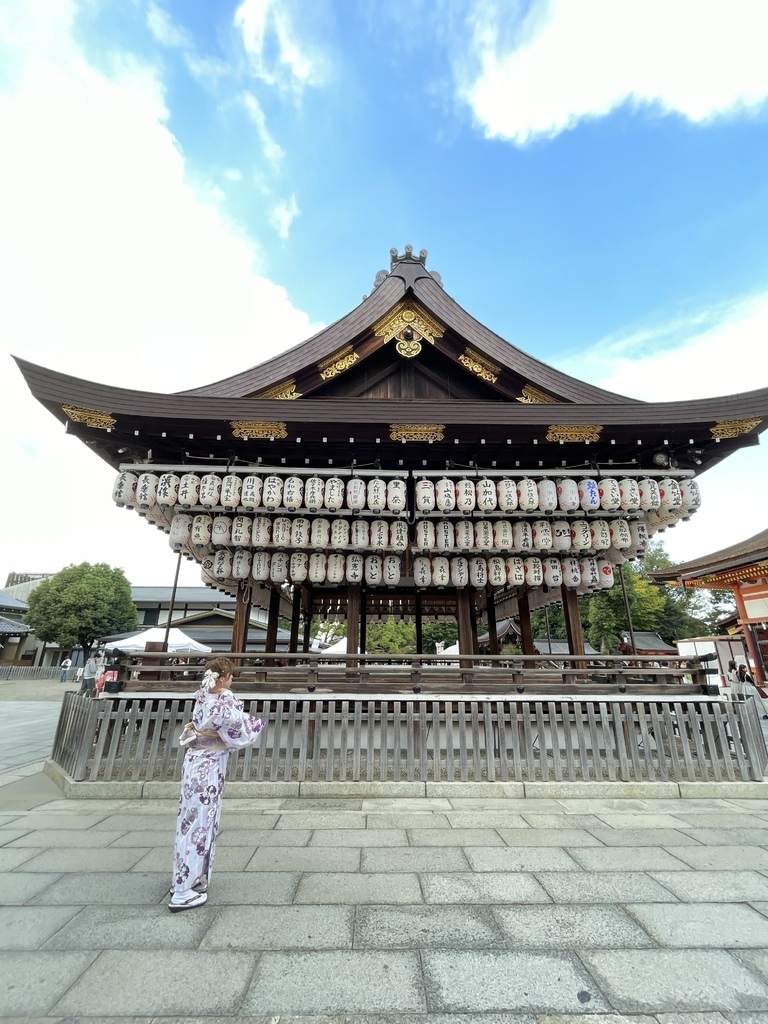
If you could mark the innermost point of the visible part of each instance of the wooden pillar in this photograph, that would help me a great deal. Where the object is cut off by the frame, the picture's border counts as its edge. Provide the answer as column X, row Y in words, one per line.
column 242, row 617
column 473, row 622
column 306, row 598
column 270, row 643
column 353, row 623
column 493, row 635
column 363, row 621
column 573, row 628
column 293, row 645
column 749, row 636
column 524, row 614
column 464, row 621
column 419, row 629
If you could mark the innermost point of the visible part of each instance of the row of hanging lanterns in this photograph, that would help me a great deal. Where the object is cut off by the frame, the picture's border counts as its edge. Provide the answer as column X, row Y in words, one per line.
column 299, row 567
column 466, row 495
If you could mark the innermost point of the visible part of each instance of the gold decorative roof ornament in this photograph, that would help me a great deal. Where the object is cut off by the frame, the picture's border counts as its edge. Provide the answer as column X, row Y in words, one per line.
column 285, row 391
column 417, row 431
column 534, row 396
column 734, row 428
column 337, row 363
column 479, row 365
column 90, row 417
column 729, row 578
column 408, row 314
column 570, row 432
column 272, row 429
column 408, row 348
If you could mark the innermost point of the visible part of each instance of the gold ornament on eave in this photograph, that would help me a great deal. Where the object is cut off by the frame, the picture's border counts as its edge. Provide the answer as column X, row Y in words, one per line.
column 90, row 417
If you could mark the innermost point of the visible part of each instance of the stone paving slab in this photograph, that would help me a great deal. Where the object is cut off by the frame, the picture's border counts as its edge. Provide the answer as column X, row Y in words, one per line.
column 454, row 837
column 639, row 836
column 654, row 821
column 10, row 859
column 251, row 838
column 321, row 819
column 605, row 887
column 234, row 888
column 548, row 837
column 257, row 928
column 358, row 889
column 721, row 819
column 161, row 858
column 65, row 837
column 130, row 928
column 564, row 819
column 413, row 858
column 127, row 982
column 529, row 858
column 574, row 927
column 726, row 836
column 306, row 858
column 19, row 887
column 715, row 886
column 486, row 819
column 430, row 927
column 630, row 858
column 43, row 820
column 407, row 820
column 482, row 981
column 722, row 858
column 73, row 859
column 33, row 981
column 379, row 837
column 336, row 982
column 499, row 887
column 99, row 888
column 161, row 823
column 660, row 980
column 702, row 925
column 29, row 927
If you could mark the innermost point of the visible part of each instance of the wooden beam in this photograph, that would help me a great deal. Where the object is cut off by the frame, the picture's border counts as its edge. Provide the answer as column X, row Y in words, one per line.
column 242, row 616
column 464, row 621
column 493, row 634
column 293, row 645
column 353, row 622
column 363, row 621
column 419, row 625
column 573, row 627
column 524, row 613
column 270, row 642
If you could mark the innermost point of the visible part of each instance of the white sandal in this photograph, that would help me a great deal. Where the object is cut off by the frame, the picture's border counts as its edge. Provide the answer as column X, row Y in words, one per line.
column 193, row 899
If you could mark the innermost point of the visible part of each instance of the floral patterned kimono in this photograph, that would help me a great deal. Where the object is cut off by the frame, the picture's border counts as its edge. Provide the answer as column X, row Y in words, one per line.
column 219, row 725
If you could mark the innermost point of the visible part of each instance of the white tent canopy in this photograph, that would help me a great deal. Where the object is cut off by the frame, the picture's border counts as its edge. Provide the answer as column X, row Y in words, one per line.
column 178, row 642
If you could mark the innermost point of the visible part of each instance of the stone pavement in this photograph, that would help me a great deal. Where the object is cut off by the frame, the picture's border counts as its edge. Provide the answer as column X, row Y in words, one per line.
column 458, row 910
column 26, row 736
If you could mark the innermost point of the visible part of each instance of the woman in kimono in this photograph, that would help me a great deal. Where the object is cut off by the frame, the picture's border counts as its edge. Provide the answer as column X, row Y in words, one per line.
column 219, row 725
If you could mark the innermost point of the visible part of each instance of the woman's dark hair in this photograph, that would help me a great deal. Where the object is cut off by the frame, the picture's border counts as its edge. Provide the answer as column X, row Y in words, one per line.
column 221, row 666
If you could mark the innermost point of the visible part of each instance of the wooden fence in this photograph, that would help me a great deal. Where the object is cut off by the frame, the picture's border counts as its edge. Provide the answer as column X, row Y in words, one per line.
column 29, row 672
column 378, row 737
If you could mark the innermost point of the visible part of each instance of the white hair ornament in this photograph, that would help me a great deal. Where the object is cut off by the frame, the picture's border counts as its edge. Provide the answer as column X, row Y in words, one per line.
column 210, row 678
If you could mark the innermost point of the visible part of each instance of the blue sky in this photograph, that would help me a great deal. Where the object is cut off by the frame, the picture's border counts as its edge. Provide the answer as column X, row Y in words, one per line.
column 189, row 187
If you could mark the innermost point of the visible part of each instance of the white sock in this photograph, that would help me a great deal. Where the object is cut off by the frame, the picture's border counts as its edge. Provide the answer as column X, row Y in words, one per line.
column 181, row 895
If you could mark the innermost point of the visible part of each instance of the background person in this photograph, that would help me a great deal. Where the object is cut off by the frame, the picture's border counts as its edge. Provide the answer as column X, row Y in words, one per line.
column 65, row 666
column 90, row 672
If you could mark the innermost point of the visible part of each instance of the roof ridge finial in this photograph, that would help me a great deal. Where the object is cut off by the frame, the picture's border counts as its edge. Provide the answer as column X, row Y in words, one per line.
column 407, row 257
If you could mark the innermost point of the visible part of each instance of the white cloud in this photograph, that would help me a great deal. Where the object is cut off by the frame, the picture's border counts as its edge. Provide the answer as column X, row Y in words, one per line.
column 569, row 61
column 114, row 269
column 164, row 30
column 283, row 215
column 277, row 55
column 272, row 150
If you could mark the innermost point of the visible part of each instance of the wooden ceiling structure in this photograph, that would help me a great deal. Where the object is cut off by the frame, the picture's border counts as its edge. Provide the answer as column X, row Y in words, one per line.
column 406, row 383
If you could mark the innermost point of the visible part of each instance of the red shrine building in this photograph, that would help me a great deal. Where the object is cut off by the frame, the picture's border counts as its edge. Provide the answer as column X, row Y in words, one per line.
column 403, row 461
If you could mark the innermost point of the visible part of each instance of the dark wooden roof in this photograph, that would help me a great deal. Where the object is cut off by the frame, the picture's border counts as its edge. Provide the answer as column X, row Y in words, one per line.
column 754, row 549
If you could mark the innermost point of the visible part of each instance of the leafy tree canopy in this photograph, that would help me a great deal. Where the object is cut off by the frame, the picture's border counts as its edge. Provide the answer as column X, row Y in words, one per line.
column 80, row 604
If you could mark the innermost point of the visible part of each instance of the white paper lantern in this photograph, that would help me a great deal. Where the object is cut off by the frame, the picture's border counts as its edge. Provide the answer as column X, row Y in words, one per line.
column 590, row 575
column 250, row 494
column 581, row 535
column 478, row 572
column 506, row 495
column 497, row 571
column 241, row 531
column 515, row 568
column 464, row 533
column 616, row 557
column 272, row 494
column 441, row 571
column 483, row 535
column 189, row 490
column 300, row 528
column 561, row 535
column 690, row 495
column 335, row 568
column 445, row 535
column 334, row 496
column 376, row 494
column 391, row 570
column 340, row 533
column 522, row 536
column 459, row 571
column 398, row 535
column 630, row 494
column 502, row 535
column 360, row 534
column 146, row 490
column 601, row 534
column 445, row 494
column 571, row 572
column 206, row 573
column 527, row 494
column 317, row 563
column 567, row 494
column 553, row 571
column 547, row 495
column 534, row 571
column 589, row 495
column 355, row 568
column 231, row 486
column 373, row 570
column 260, row 566
column 610, row 495
column 281, row 531
column 669, row 490
column 422, row 572
column 379, row 533
column 202, row 528
column 465, row 496
column 650, row 497
column 293, row 492
column 241, row 564
column 314, row 493
column 396, row 496
column 168, row 490
column 278, row 567
column 605, row 571
column 320, row 533
column 221, row 533
column 638, row 530
column 181, row 529
column 298, row 567
column 425, row 495
column 210, row 490
column 261, row 532
column 653, row 522
column 425, row 534
column 485, row 495
column 541, row 532
column 222, row 564
column 621, row 538
column 355, row 493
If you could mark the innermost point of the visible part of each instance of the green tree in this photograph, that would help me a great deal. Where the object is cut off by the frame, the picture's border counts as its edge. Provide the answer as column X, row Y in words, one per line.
column 391, row 636
column 80, row 604
column 432, row 632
